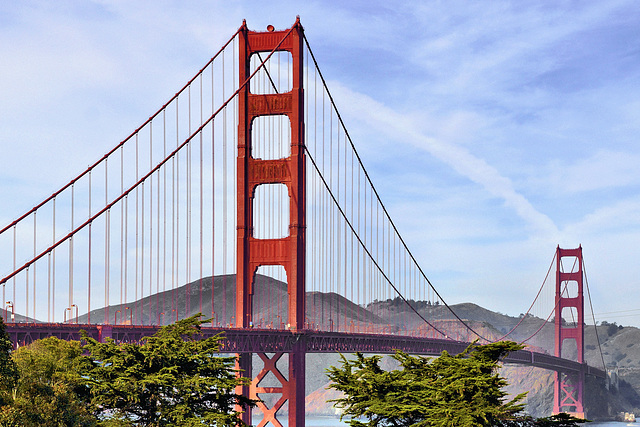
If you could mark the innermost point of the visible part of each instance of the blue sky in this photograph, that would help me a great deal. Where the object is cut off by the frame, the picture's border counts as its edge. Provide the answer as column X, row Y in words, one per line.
column 494, row 131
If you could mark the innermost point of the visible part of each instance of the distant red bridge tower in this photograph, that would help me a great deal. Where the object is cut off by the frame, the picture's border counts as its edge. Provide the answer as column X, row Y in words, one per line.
column 569, row 387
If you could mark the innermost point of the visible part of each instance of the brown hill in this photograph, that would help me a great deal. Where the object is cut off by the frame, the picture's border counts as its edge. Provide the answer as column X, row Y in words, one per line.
column 215, row 297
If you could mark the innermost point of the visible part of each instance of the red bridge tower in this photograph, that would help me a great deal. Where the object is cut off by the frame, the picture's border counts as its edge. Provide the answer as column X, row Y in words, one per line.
column 568, row 390
column 288, row 251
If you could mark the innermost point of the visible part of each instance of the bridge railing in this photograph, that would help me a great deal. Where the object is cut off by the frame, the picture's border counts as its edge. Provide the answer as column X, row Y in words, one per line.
column 269, row 340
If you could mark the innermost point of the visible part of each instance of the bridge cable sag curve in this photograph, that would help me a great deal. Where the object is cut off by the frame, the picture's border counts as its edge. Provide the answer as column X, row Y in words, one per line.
column 385, row 210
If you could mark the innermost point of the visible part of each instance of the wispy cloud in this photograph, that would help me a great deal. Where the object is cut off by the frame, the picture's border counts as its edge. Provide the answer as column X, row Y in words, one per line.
column 527, row 114
column 403, row 128
column 601, row 170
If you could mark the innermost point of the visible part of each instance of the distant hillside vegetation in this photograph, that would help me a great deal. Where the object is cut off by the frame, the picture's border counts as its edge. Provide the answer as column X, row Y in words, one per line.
column 620, row 345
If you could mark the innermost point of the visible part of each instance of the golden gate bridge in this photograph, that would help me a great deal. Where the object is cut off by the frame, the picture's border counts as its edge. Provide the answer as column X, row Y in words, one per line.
column 247, row 187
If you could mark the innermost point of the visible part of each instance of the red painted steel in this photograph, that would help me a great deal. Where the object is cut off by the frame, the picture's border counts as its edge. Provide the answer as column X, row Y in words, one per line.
column 569, row 386
column 253, row 340
column 289, row 251
column 244, row 342
column 245, row 367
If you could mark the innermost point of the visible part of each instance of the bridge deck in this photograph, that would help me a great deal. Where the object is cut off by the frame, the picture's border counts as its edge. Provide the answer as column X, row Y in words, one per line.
column 273, row 340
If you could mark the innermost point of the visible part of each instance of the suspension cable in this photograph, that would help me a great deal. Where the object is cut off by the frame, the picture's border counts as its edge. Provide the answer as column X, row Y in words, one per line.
column 375, row 262
column 593, row 315
column 148, row 174
column 383, row 206
column 554, row 310
column 113, row 150
column 532, row 304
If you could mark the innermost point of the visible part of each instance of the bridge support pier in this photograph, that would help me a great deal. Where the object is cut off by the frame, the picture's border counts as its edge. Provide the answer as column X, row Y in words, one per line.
column 297, row 366
column 568, row 393
column 245, row 366
column 569, row 388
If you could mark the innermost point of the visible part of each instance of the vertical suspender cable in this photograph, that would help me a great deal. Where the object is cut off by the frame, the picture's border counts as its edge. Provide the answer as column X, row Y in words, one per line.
column 13, row 296
column 353, row 256
column 177, row 218
column 213, row 203
column 3, row 313
column 333, row 300
column 395, row 262
column 164, row 215
column 187, row 251
column 137, row 245
column 53, row 269
column 366, row 242
column 346, row 257
column 126, row 246
column 201, row 204
column 323, row 216
column 48, row 290
column 108, row 261
column 234, row 147
column 35, row 232
column 122, row 221
column 233, row 152
column 224, row 201
column 160, row 309
column 70, row 251
column 173, row 234
column 107, row 243
column 378, row 295
column 339, row 237
column 402, row 263
column 390, row 266
column 151, row 224
column 359, row 271
column 26, row 294
column 89, row 260
column 314, row 257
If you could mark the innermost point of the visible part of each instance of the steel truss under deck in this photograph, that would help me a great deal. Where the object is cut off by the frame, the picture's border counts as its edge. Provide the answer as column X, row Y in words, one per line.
column 276, row 341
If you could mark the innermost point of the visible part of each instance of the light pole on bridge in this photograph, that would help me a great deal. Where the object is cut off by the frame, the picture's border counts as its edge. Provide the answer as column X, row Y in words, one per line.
column 13, row 312
column 70, row 311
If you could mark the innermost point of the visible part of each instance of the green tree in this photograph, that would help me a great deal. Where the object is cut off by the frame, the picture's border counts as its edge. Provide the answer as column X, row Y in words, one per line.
column 558, row 420
column 47, row 392
column 8, row 369
column 8, row 375
column 460, row 390
column 172, row 378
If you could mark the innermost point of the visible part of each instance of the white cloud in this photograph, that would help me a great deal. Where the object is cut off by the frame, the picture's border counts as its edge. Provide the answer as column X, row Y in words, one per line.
column 622, row 217
column 602, row 170
column 402, row 128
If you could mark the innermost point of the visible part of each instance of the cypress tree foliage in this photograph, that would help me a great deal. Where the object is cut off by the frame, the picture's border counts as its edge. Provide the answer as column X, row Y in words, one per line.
column 171, row 378
column 8, row 368
column 558, row 420
column 460, row 390
column 48, row 392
